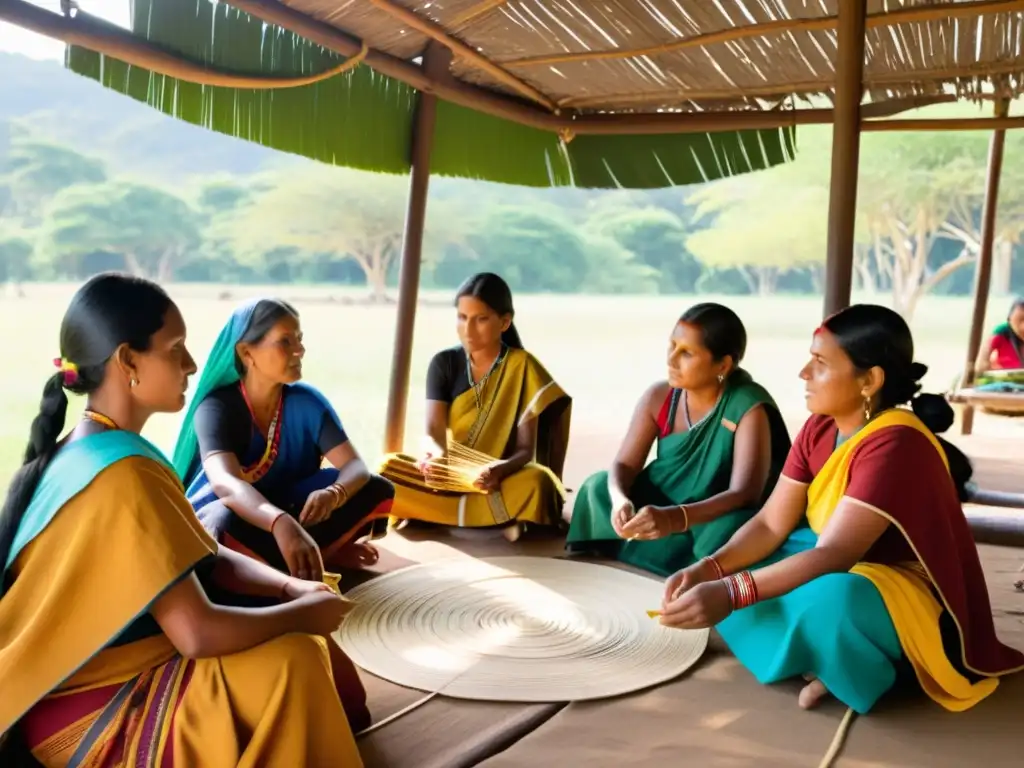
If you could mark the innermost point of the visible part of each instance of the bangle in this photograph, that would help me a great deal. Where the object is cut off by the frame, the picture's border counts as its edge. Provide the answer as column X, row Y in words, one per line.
column 283, row 594
column 710, row 560
column 279, row 516
column 742, row 590
column 686, row 518
column 340, row 491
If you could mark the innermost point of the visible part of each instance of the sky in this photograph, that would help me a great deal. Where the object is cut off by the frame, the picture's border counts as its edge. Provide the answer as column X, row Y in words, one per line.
column 17, row 40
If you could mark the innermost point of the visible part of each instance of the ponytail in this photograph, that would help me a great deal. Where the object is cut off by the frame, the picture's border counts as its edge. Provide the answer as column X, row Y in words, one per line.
column 937, row 414
column 511, row 338
column 44, row 434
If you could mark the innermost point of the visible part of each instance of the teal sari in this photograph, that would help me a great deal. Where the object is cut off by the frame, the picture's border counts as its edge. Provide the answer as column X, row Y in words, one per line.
column 689, row 467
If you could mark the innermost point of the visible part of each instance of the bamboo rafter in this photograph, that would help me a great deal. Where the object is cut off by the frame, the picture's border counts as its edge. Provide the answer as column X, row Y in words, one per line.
column 481, row 8
column 813, row 24
column 103, row 37
column 878, row 80
column 440, row 81
column 438, row 33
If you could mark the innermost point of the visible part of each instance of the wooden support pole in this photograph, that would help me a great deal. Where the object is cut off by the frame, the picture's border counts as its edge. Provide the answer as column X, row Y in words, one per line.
column 842, row 202
column 983, row 270
column 409, row 271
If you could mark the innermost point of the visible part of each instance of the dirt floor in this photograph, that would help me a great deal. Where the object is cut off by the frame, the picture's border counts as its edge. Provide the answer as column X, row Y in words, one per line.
column 717, row 715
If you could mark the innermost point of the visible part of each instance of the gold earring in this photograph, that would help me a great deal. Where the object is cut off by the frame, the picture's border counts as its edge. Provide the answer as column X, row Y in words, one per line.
column 867, row 409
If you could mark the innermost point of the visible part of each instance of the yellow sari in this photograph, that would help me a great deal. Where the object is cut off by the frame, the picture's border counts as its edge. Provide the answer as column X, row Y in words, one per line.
column 518, row 390
column 92, row 679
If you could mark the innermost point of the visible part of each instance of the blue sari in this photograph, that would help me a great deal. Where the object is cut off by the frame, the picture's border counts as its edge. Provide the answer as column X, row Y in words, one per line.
column 285, row 470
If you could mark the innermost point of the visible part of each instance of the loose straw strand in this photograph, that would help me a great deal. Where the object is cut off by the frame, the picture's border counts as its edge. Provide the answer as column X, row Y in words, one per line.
column 838, row 740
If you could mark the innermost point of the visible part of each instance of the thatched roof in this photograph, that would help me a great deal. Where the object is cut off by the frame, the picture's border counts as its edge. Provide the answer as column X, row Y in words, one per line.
column 634, row 93
column 697, row 55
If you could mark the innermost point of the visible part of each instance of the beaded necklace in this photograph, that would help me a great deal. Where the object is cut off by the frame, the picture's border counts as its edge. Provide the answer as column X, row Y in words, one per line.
column 478, row 386
column 257, row 470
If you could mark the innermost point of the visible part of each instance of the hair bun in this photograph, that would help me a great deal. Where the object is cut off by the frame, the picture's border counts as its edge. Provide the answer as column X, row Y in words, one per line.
column 917, row 371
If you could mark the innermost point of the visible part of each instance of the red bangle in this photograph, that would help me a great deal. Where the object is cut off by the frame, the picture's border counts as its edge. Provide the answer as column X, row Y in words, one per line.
column 279, row 516
column 742, row 590
column 719, row 573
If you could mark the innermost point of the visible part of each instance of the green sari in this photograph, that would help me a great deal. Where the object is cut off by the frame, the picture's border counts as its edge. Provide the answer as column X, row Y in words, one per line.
column 690, row 466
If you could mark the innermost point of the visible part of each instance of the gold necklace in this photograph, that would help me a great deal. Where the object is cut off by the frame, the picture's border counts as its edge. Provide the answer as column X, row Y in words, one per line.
column 99, row 418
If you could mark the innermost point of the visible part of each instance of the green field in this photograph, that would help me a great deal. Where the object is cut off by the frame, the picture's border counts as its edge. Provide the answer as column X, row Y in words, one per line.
column 603, row 350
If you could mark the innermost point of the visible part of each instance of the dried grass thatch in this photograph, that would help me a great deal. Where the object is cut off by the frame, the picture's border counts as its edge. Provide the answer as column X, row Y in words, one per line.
column 534, row 91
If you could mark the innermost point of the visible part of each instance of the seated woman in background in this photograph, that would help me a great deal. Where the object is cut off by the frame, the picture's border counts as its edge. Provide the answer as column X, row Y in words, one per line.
column 110, row 650
column 721, row 444
column 252, row 450
column 865, row 565
column 1005, row 348
column 496, row 400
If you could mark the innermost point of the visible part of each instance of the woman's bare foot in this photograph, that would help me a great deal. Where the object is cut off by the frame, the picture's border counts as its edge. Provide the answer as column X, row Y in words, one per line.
column 355, row 556
column 512, row 532
column 812, row 694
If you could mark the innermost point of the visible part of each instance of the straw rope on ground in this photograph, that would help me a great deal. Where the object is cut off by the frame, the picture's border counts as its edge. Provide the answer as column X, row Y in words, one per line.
column 524, row 629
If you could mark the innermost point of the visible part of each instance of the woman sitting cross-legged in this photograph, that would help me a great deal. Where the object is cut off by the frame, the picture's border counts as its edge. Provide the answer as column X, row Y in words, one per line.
column 861, row 564
column 253, row 446
column 491, row 399
column 111, row 652
column 721, row 444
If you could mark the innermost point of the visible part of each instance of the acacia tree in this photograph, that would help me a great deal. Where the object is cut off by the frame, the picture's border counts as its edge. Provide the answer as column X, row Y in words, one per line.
column 34, row 172
column 151, row 229
column 327, row 211
column 750, row 232
column 914, row 190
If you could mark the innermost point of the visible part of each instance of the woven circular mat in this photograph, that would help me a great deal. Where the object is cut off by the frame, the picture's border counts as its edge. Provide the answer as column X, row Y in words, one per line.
column 527, row 629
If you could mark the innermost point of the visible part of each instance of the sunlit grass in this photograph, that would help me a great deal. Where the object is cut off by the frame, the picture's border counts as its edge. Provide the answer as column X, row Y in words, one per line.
column 603, row 350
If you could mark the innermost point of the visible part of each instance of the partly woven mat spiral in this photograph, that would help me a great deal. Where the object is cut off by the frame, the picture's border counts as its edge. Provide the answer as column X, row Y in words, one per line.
column 525, row 629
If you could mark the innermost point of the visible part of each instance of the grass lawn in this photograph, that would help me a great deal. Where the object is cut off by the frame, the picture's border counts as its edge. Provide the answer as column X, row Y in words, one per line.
column 603, row 350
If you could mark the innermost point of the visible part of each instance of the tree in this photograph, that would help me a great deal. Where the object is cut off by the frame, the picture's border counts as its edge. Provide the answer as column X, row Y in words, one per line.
column 152, row 230
column 536, row 249
column 35, row 171
column 915, row 191
column 657, row 238
column 749, row 233
column 15, row 255
column 337, row 212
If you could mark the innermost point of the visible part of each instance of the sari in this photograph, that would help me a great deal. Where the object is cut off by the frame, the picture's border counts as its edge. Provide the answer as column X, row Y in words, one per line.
column 87, row 670
column 286, row 465
column 519, row 389
column 1007, row 347
column 689, row 466
column 917, row 602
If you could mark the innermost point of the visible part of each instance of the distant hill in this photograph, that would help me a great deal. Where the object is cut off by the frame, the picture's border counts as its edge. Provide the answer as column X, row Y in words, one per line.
column 131, row 137
column 134, row 140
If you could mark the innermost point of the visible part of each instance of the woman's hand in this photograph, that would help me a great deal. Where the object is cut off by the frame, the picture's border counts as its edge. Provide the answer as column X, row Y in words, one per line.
column 322, row 612
column 622, row 512
column 319, row 506
column 683, row 581
column 298, row 549
column 652, row 523
column 294, row 588
column 490, row 476
column 704, row 605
